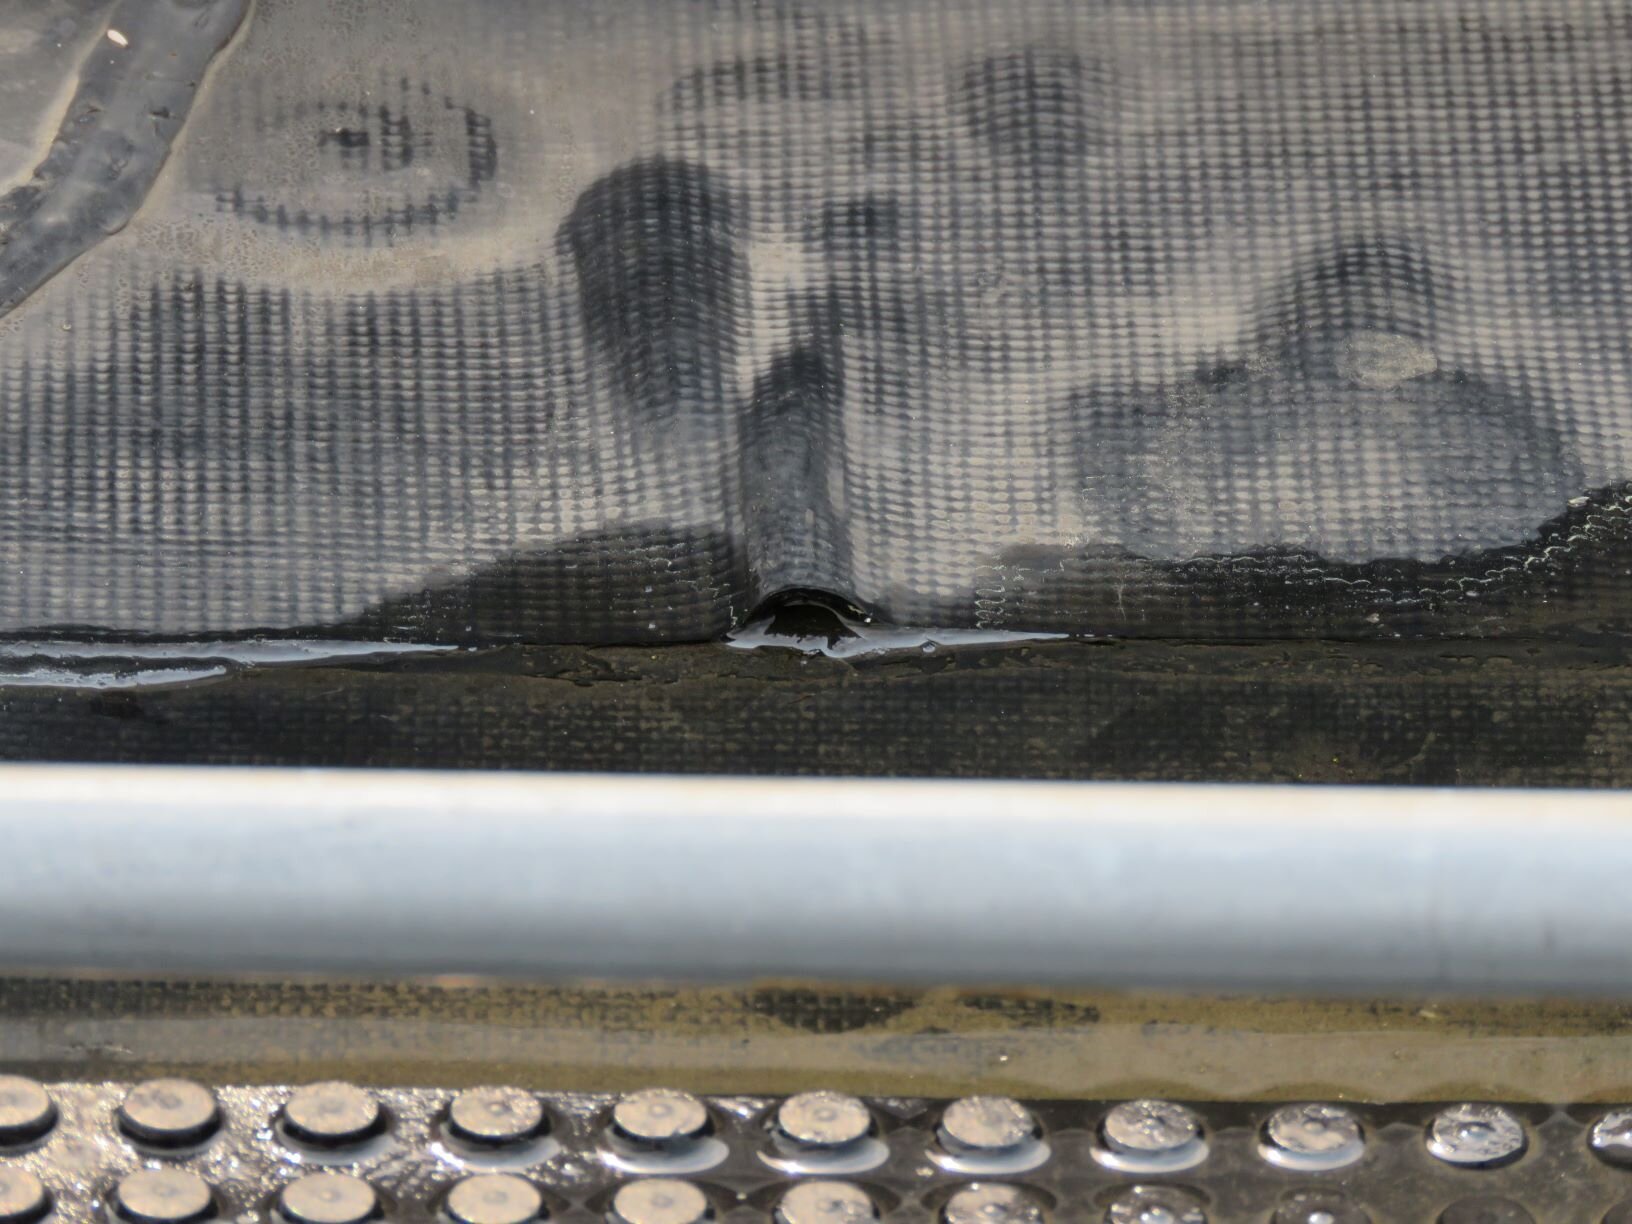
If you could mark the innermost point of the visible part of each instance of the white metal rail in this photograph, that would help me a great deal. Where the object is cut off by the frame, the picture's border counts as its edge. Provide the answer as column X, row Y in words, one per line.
column 1214, row 887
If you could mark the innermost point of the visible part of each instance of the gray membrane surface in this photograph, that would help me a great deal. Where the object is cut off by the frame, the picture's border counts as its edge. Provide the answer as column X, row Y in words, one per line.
column 608, row 322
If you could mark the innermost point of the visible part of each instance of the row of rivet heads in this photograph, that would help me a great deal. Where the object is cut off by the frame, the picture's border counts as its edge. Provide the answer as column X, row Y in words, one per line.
column 817, row 1133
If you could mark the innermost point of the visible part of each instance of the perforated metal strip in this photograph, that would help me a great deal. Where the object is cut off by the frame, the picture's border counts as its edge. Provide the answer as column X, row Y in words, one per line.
column 175, row 1152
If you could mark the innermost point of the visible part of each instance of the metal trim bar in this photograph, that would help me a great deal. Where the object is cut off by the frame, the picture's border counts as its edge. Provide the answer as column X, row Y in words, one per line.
column 1166, row 886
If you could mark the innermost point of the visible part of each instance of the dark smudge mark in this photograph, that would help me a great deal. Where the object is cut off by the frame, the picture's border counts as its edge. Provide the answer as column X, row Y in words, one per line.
column 1340, row 430
column 1569, row 577
column 828, row 1011
column 793, row 435
column 1382, row 284
column 639, row 584
column 820, row 59
column 1039, row 106
column 661, row 279
column 859, row 223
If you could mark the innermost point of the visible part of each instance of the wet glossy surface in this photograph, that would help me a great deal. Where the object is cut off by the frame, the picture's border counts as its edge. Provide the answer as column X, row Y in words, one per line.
column 1476, row 1136
column 1148, row 319
column 1557, row 1179
column 1313, row 1138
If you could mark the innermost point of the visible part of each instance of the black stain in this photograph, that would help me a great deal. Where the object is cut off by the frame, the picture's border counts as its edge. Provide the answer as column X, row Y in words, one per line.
column 1382, row 283
column 793, row 446
column 859, row 224
column 1044, row 107
column 1033, row 1012
column 639, row 584
column 1573, row 577
column 661, row 281
column 1338, row 426
column 767, row 79
column 828, row 1012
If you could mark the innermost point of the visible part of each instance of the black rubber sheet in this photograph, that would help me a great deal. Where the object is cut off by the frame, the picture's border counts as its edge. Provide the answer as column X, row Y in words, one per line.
column 560, row 320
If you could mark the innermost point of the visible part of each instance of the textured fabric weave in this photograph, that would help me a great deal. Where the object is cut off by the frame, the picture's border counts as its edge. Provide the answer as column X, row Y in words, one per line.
column 564, row 320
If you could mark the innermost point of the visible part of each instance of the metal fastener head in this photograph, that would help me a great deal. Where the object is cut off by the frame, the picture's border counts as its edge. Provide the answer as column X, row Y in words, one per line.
column 1476, row 1136
column 657, row 1117
column 659, row 1200
column 23, row 1197
column 1149, row 1127
column 495, row 1117
column 495, row 1198
column 328, row 1198
column 1486, row 1210
column 1155, row 1205
column 1319, row 1207
column 1611, row 1137
column 169, row 1113
column 332, row 1114
column 992, row 1203
column 1150, row 1137
column 1621, row 1213
column 986, row 1125
column 1312, row 1138
column 163, row 1196
column 26, row 1111
column 826, row 1202
column 823, row 1120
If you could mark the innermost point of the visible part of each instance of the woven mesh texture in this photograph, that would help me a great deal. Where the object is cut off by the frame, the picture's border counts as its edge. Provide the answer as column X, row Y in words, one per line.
column 565, row 321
